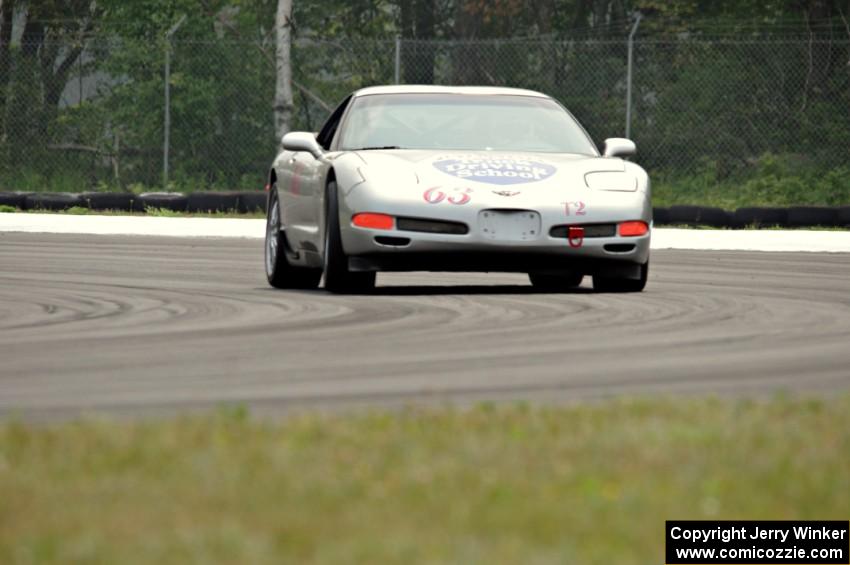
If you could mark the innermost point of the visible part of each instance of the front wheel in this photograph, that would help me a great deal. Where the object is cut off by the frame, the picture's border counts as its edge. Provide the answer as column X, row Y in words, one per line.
column 279, row 271
column 338, row 278
column 610, row 284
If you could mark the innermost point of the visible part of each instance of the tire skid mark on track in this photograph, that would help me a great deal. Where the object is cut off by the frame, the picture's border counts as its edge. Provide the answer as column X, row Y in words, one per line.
column 143, row 324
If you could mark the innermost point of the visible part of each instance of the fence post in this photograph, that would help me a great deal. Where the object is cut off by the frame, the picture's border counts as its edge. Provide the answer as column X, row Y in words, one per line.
column 398, row 59
column 80, row 71
column 167, row 126
column 629, row 75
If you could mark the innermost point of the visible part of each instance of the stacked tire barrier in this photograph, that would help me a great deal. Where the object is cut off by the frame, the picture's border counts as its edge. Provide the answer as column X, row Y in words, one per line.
column 255, row 201
column 754, row 217
column 194, row 202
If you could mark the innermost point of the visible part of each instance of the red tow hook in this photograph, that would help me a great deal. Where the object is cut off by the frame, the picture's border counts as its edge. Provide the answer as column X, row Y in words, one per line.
column 575, row 235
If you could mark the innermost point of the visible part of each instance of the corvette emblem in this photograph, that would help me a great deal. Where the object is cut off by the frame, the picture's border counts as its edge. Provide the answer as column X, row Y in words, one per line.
column 505, row 192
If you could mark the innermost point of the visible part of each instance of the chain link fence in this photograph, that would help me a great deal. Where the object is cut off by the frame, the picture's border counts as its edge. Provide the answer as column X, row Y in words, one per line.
column 97, row 121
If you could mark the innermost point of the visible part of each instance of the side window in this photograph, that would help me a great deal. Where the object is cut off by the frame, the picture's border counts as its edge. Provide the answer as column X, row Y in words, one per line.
column 326, row 135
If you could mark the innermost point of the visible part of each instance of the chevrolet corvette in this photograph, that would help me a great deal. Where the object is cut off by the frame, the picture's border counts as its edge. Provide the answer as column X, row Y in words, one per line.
column 432, row 178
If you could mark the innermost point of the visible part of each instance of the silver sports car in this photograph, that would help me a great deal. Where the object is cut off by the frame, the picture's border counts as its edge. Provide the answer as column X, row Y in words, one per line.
column 431, row 178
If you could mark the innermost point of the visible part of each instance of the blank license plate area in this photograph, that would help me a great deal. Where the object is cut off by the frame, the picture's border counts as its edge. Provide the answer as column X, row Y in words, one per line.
column 509, row 225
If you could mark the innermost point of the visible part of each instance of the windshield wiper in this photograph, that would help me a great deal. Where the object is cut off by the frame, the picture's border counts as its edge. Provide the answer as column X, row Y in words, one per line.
column 377, row 148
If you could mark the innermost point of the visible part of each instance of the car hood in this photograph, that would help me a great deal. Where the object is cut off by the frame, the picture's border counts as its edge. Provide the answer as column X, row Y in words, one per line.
column 485, row 169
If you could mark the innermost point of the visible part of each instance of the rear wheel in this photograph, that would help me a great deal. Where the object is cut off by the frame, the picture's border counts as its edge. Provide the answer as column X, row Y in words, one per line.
column 338, row 278
column 555, row 282
column 609, row 284
column 279, row 271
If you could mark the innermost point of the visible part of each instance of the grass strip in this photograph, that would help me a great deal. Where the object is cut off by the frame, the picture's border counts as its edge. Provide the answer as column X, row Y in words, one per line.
column 491, row 484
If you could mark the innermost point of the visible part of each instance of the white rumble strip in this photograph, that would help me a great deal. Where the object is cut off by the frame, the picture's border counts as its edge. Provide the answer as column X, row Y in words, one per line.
column 662, row 238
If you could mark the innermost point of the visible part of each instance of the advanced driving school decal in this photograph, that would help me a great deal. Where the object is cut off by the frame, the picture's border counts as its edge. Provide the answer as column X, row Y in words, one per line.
column 495, row 170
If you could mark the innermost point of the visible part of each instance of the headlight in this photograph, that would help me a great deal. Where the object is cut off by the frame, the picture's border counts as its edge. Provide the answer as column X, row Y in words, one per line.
column 621, row 182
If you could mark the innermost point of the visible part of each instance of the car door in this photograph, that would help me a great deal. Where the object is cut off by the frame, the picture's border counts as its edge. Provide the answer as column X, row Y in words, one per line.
column 305, row 179
column 295, row 188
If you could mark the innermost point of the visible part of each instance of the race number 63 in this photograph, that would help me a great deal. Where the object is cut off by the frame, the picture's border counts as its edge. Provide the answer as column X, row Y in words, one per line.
column 459, row 196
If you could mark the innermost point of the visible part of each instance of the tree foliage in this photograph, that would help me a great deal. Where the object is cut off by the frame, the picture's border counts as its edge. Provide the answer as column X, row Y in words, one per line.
column 81, row 82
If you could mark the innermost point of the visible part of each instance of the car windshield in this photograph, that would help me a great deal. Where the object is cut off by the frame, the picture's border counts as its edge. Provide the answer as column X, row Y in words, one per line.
column 462, row 121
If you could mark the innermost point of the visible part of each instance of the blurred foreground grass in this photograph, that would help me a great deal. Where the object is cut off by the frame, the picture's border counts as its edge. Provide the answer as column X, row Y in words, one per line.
column 492, row 484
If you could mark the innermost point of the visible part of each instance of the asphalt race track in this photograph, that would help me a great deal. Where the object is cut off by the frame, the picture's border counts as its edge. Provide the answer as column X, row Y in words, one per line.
column 133, row 325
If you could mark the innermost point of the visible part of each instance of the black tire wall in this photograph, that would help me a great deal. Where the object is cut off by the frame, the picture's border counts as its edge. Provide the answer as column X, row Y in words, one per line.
column 256, row 201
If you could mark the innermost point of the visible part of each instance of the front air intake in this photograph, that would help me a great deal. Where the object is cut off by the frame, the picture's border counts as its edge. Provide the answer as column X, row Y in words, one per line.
column 619, row 247
column 392, row 241
column 590, row 230
column 431, row 226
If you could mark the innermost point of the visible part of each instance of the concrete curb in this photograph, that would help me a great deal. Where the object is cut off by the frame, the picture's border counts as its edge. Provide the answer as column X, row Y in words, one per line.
column 828, row 241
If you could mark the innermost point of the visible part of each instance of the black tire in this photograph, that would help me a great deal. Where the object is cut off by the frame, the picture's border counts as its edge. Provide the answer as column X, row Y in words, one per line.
column 660, row 216
column 716, row 217
column 687, row 215
column 844, row 216
column 175, row 201
column 279, row 271
column 806, row 216
column 760, row 216
column 555, row 282
column 338, row 278
column 14, row 199
column 207, row 202
column 52, row 201
column 254, row 201
column 611, row 284
column 108, row 200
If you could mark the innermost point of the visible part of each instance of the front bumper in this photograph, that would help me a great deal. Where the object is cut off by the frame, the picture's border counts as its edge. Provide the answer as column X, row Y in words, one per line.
column 495, row 262
column 480, row 249
column 401, row 250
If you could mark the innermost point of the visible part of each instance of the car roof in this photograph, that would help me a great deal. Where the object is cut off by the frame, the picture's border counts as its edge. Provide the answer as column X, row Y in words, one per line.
column 432, row 89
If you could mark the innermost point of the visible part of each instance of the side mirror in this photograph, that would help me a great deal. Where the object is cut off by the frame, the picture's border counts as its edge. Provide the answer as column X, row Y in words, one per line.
column 619, row 147
column 302, row 141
